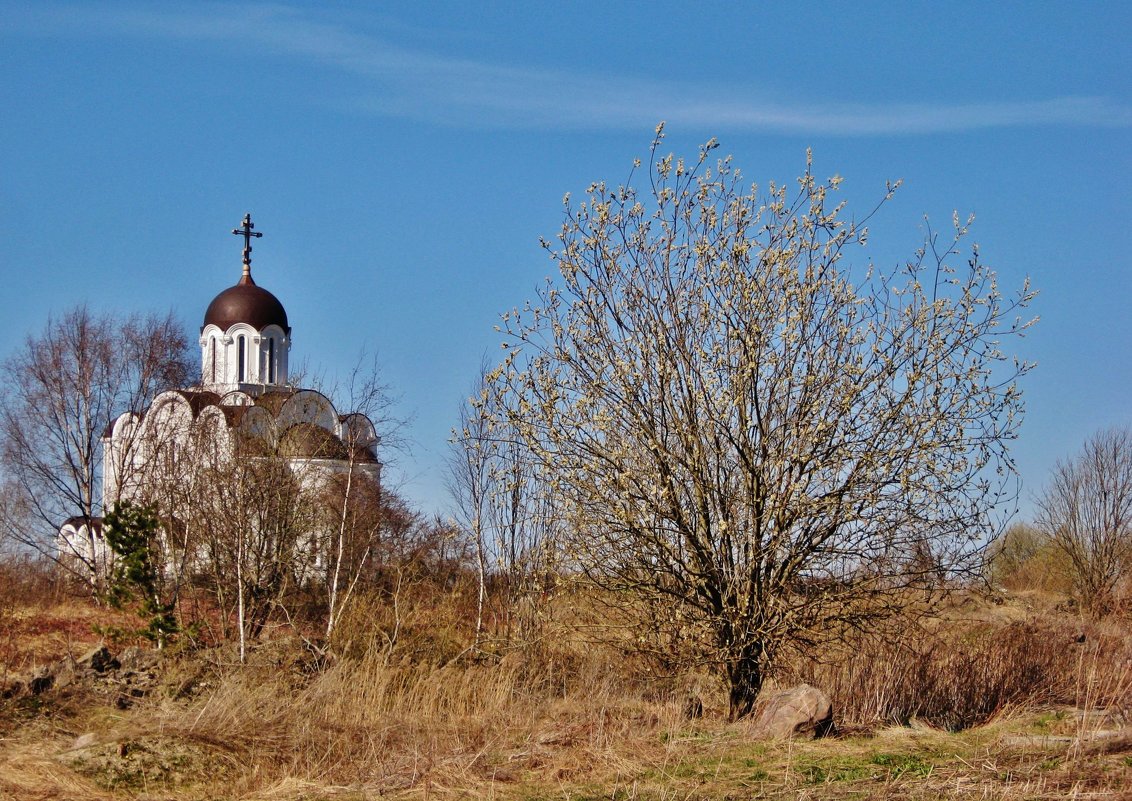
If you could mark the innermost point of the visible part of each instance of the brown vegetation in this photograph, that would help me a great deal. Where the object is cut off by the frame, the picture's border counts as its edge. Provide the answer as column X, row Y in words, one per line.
column 407, row 710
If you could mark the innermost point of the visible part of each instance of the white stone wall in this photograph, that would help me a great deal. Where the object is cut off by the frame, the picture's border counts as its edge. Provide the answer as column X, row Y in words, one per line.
column 265, row 357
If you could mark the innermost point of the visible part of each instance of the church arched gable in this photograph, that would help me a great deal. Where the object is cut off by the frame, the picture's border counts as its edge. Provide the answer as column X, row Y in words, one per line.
column 236, row 398
column 119, row 455
column 308, row 406
column 212, row 437
column 258, row 423
column 357, row 430
column 167, row 429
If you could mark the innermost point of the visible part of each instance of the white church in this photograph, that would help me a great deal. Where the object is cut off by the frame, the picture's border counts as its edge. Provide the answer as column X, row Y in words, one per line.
column 243, row 408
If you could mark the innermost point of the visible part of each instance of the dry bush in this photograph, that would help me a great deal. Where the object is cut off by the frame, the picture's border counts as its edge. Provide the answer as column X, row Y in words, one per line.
column 31, row 581
column 45, row 614
column 1025, row 558
column 1085, row 510
column 963, row 674
column 409, row 618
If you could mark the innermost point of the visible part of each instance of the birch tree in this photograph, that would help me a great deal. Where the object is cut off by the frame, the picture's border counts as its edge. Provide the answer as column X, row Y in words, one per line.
column 469, row 476
column 254, row 519
column 504, row 502
column 62, row 389
column 355, row 499
column 760, row 440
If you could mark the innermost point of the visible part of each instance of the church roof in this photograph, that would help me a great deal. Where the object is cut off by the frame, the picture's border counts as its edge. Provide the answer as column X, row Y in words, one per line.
column 273, row 400
column 199, row 399
column 76, row 523
column 306, row 440
column 246, row 303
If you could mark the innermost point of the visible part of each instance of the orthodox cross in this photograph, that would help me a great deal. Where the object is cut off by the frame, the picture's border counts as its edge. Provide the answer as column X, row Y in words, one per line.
column 247, row 233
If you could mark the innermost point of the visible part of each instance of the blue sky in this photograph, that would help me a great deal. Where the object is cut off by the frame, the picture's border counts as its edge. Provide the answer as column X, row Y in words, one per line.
column 403, row 159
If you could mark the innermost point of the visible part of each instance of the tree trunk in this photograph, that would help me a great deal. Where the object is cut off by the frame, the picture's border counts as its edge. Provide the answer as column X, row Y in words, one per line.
column 744, row 679
column 340, row 553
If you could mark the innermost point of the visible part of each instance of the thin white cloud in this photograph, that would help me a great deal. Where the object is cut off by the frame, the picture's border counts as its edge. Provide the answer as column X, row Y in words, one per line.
column 395, row 80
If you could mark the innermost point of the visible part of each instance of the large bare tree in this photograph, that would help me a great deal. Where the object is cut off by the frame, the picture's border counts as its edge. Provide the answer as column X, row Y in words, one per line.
column 1086, row 509
column 62, row 389
column 761, row 442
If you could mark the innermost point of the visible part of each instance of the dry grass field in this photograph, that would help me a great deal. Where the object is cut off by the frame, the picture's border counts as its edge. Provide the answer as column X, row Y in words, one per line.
column 1012, row 700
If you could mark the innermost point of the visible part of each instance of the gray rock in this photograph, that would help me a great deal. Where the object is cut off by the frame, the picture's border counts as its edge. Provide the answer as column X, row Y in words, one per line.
column 801, row 711
column 99, row 659
column 83, row 741
column 137, row 660
column 42, row 681
column 65, row 673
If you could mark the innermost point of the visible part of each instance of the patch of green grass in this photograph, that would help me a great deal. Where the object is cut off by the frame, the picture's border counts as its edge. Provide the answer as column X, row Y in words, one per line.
column 843, row 773
column 753, row 770
column 687, row 770
column 839, row 770
column 690, row 736
column 866, row 764
column 1048, row 722
column 900, row 764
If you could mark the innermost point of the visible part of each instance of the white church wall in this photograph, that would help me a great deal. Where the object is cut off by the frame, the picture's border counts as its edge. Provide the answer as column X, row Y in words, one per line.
column 83, row 545
column 243, row 356
column 273, row 346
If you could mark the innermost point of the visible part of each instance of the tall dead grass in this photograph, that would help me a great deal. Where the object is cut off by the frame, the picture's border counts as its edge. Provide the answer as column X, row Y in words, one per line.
column 385, row 726
column 408, row 705
column 964, row 674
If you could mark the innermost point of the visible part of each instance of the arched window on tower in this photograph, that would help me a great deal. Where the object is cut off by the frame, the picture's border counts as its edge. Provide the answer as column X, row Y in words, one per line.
column 271, row 360
column 240, row 350
column 212, row 357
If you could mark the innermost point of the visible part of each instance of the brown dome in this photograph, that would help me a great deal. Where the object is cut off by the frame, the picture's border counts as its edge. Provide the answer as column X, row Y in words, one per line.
column 246, row 303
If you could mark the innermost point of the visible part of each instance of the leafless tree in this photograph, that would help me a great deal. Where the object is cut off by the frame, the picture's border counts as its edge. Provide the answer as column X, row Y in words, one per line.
column 255, row 517
column 354, row 499
column 503, row 500
column 1086, row 509
column 754, row 438
column 63, row 388
column 469, row 474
